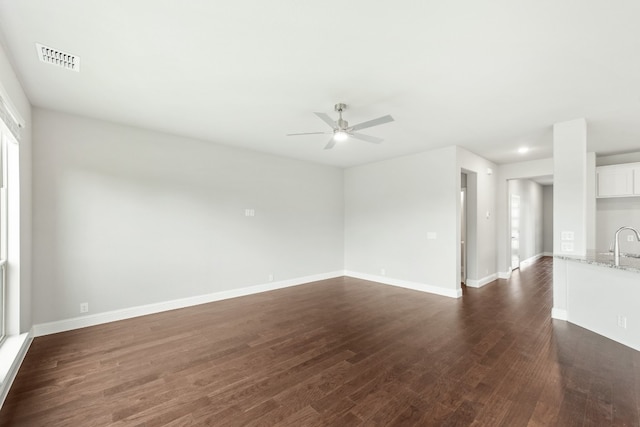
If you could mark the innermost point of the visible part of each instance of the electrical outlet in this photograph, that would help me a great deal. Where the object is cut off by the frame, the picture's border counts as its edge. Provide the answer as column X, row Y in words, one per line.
column 271, row 277
column 84, row 307
column 630, row 238
column 383, row 272
column 622, row 321
column 566, row 247
column 432, row 235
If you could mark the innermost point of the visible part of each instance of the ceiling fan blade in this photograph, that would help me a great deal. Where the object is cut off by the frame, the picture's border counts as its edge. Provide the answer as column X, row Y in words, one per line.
column 371, row 123
column 367, row 138
column 308, row 133
column 325, row 118
column 330, row 145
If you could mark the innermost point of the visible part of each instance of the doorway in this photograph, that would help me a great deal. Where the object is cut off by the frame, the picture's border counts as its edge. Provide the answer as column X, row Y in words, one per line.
column 515, row 231
column 467, row 230
column 464, row 229
column 463, row 235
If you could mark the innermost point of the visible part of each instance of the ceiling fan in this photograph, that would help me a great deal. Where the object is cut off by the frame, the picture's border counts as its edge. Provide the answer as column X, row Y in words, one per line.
column 341, row 129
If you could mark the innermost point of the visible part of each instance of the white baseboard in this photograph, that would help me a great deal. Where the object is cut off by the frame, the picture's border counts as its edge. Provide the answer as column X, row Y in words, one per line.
column 524, row 263
column 504, row 274
column 481, row 282
column 127, row 313
column 532, row 259
column 451, row 293
column 559, row 314
column 12, row 353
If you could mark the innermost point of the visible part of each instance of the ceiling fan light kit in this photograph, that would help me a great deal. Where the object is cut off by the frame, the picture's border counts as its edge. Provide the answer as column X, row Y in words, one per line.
column 341, row 130
column 340, row 136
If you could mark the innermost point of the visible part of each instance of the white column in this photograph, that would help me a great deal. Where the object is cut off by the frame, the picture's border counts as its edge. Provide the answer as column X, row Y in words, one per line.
column 569, row 202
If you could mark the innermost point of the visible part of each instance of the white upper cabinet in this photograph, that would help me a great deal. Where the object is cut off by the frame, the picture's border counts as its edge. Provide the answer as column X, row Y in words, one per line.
column 618, row 180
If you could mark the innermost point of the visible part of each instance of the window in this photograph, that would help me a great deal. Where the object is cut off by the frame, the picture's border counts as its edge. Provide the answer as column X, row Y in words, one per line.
column 3, row 232
column 10, row 129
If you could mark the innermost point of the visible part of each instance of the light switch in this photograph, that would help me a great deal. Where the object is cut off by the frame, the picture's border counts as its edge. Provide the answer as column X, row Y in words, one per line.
column 249, row 212
column 567, row 236
column 432, row 235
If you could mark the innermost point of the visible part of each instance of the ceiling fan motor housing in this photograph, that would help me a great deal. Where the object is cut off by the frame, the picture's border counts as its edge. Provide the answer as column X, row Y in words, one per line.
column 342, row 124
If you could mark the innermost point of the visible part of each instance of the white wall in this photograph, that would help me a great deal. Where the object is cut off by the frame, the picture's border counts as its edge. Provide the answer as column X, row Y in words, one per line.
column 617, row 159
column 125, row 217
column 547, row 219
column 390, row 206
column 481, row 216
column 21, row 268
column 531, row 217
column 612, row 214
column 570, row 184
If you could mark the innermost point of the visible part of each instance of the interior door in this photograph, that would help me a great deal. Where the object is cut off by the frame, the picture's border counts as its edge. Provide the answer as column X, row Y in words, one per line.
column 515, row 231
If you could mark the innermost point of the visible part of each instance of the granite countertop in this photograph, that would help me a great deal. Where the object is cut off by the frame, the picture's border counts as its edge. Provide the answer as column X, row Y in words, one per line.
column 604, row 260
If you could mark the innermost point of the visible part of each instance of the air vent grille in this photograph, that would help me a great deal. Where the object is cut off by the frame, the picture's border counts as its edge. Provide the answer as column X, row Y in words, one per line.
column 58, row 58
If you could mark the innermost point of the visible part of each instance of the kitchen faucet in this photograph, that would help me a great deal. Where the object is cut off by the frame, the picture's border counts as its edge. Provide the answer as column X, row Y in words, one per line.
column 616, row 243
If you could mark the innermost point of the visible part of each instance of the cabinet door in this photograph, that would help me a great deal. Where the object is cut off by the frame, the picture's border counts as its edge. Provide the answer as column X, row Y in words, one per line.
column 615, row 181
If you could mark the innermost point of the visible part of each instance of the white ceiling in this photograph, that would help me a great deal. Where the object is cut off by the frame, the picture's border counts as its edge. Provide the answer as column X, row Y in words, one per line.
column 489, row 76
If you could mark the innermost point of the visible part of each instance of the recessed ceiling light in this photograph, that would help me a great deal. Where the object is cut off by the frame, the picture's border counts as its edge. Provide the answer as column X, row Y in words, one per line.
column 523, row 150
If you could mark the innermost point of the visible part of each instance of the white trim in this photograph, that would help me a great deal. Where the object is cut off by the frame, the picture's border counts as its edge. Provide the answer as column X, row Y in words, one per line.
column 451, row 293
column 531, row 259
column 504, row 274
column 127, row 313
column 11, row 108
column 12, row 353
column 559, row 314
column 547, row 253
column 482, row 282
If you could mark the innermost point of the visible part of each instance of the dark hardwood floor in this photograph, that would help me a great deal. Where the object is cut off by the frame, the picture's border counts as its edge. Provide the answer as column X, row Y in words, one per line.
column 341, row 352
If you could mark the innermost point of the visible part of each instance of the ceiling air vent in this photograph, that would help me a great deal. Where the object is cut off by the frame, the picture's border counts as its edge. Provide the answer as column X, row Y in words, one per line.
column 58, row 58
